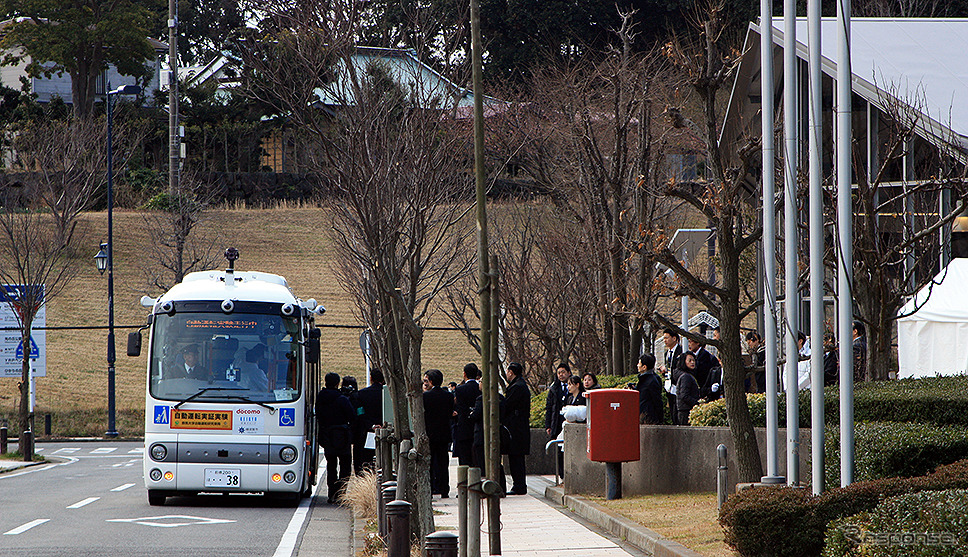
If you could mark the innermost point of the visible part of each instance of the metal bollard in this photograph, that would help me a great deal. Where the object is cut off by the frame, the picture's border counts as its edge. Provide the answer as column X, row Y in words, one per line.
column 398, row 521
column 722, row 479
column 28, row 445
column 441, row 544
column 473, row 512
column 47, row 421
column 3, row 439
column 462, row 509
column 403, row 469
column 388, row 493
column 381, row 519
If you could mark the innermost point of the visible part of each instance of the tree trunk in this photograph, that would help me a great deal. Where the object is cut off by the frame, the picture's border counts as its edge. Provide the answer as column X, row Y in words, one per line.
column 730, row 354
column 26, row 416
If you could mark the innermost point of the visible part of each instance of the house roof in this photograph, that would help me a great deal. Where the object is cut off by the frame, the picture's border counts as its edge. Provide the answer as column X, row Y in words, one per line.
column 920, row 62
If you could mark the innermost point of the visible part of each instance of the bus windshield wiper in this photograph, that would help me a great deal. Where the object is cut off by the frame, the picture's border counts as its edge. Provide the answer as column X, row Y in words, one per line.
column 272, row 409
column 205, row 390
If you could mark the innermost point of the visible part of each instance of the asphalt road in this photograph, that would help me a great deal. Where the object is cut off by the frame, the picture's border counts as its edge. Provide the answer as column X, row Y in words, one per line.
column 92, row 501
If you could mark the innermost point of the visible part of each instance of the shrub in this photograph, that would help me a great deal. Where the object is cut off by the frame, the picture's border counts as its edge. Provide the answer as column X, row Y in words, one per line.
column 928, row 523
column 935, row 400
column 884, row 450
column 758, row 521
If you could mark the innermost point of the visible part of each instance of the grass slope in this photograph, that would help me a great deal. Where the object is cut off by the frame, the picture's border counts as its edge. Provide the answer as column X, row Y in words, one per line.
column 292, row 242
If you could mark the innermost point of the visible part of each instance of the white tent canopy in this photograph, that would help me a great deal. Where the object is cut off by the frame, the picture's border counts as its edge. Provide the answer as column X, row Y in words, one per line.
column 934, row 339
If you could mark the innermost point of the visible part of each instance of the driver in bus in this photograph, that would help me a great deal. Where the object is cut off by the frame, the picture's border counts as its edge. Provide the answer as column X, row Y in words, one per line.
column 191, row 368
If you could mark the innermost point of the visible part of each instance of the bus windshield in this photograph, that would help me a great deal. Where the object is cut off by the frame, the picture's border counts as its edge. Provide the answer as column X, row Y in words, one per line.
column 214, row 357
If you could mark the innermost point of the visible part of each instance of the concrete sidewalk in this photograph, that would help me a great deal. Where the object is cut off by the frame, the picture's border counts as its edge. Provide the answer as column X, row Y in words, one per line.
column 535, row 527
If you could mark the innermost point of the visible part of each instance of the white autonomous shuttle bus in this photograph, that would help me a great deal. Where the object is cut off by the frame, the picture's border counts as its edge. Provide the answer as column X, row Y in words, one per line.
column 233, row 371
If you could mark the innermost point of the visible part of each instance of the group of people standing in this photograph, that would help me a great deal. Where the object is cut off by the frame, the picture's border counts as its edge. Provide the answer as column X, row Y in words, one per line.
column 467, row 433
column 344, row 416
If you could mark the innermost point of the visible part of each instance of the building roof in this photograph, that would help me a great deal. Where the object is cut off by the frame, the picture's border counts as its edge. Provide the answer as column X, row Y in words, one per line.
column 911, row 60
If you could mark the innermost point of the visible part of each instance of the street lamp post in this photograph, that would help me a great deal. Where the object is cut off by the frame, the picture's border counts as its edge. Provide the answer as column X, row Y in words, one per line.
column 105, row 257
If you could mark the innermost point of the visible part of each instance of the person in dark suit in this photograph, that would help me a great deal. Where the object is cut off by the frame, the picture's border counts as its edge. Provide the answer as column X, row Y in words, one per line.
column 477, row 418
column 192, row 368
column 670, row 368
column 687, row 389
column 649, row 387
column 515, row 415
column 757, row 353
column 556, row 399
column 371, row 402
column 860, row 352
column 464, row 397
column 704, row 361
column 438, row 409
column 334, row 418
column 831, row 371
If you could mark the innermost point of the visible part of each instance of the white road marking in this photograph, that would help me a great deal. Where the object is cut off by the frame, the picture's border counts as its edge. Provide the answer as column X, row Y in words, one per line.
column 104, row 450
column 32, row 469
column 182, row 520
column 287, row 545
column 67, row 450
column 25, row 527
column 139, row 450
column 80, row 504
column 128, row 463
column 122, row 487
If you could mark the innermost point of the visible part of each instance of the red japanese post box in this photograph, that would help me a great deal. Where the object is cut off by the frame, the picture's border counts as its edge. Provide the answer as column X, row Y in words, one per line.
column 613, row 425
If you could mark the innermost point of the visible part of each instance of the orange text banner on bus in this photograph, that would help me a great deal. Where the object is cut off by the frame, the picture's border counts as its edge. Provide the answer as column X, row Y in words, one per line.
column 201, row 419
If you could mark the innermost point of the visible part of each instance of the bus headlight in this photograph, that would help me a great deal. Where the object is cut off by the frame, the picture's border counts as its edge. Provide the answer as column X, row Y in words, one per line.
column 288, row 454
column 155, row 474
column 290, row 477
column 158, row 452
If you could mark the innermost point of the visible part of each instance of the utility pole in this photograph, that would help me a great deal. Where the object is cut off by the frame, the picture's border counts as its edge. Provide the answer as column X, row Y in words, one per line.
column 174, row 138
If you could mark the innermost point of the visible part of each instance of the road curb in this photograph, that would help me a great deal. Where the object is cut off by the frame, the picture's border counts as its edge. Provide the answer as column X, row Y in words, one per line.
column 632, row 532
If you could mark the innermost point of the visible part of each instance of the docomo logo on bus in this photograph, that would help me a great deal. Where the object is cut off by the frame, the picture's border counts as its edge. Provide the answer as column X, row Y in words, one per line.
column 248, row 411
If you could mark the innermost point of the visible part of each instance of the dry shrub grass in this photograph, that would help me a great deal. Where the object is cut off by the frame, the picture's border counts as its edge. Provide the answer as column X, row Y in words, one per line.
column 688, row 518
column 360, row 494
column 291, row 241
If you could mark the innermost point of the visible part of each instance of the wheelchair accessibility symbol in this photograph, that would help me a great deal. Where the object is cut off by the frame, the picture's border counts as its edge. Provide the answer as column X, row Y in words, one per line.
column 287, row 417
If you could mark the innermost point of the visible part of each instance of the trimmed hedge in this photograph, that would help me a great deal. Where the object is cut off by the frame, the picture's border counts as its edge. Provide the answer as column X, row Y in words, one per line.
column 936, row 400
column 928, row 524
column 884, row 450
column 791, row 522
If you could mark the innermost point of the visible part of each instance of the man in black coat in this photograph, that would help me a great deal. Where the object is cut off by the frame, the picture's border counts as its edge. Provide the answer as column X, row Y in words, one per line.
column 556, row 400
column 670, row 369
column 704, row 361
column 371, row 399
column 516, row 415
column 649, row 387
column 438, row 409
column 334, row 419
column 464, row 397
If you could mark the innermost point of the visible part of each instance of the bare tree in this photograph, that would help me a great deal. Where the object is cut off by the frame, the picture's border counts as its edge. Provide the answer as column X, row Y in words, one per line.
column 174, row 246
column 586, row 134
column 34, row 259
column 65, row 163
column 394, row 162
column 899, row 218
column 730, row 208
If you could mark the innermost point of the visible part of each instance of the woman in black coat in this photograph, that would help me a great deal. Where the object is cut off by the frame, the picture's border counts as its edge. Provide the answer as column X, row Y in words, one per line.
column 516, row 416
column 687, row 389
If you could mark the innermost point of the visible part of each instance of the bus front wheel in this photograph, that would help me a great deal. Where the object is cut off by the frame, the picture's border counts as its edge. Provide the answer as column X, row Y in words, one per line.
column 155, row 499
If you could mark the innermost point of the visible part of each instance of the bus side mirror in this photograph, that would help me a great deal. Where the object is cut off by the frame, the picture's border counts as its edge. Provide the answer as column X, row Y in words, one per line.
column 134, row 343
column 312, row 347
